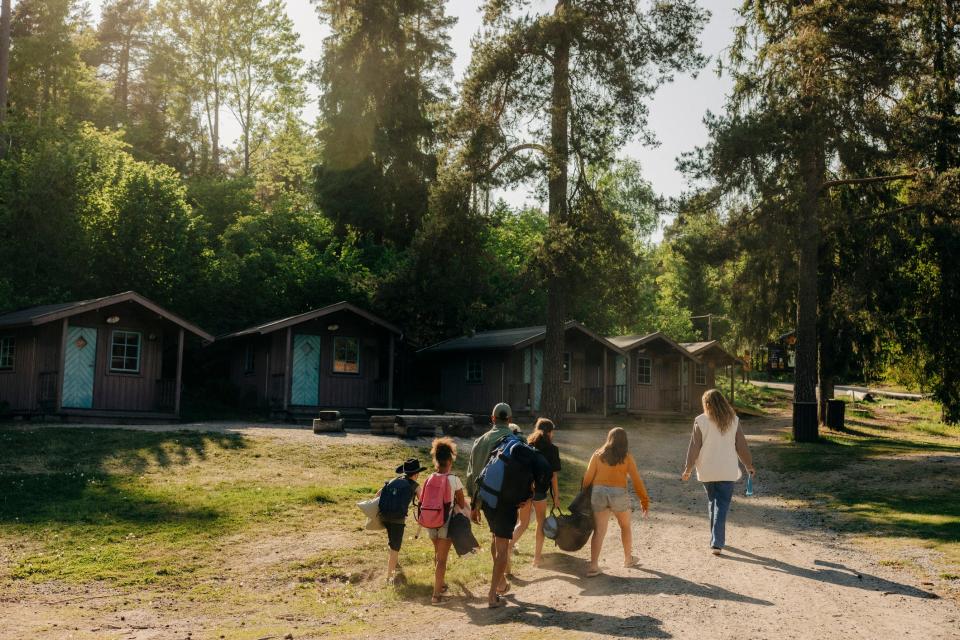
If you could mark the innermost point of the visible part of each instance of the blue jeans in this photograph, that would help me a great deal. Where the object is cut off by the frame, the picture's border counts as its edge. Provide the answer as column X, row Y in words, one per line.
column 718, row 504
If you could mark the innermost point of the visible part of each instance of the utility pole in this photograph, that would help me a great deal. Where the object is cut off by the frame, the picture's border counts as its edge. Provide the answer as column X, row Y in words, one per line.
column 709, row 318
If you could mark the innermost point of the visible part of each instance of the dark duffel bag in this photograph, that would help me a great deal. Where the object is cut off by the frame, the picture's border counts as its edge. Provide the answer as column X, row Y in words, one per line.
column 573, row 531
column 461, row 534
column 581, row 504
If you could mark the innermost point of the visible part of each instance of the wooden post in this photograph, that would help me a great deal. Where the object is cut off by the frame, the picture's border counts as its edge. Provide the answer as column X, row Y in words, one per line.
column 266, row 375
column 176, row 386
column 627, row 380
column 604, row 394
column 390, row 374
column 287, row 369
column 63, row 363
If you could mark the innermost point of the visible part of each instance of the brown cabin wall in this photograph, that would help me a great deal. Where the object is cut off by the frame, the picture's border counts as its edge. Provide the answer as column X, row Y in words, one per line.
column 126, row 391
column 663, row 392
column 458, row 395
column 19, row 387
column 268, row 381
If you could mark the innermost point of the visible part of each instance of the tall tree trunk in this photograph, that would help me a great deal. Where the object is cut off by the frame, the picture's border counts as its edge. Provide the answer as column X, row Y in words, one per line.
column 828, row 347
column 4, row 56
column 215, row 133
column 552, row 399
column 808, row 223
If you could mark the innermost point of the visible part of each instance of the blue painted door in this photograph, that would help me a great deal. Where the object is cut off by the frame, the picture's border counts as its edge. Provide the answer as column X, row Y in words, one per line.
column 79, row 367
column 537, row 377
column 305, row 387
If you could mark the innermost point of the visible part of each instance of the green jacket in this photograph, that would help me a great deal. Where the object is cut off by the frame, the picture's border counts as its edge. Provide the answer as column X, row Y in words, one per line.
column 481, row 452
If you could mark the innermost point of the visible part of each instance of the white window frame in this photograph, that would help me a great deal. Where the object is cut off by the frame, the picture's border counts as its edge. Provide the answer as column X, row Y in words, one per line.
column 126, row 356
column 479, row 368
column 356, row 341
column 648, row 368
column 700, row 374
column 8, row 351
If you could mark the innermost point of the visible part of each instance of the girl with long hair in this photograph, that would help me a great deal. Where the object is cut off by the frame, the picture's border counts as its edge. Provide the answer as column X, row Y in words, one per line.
column 607, row 475
column 716, row 444
column 444, row 452
column 542, row 440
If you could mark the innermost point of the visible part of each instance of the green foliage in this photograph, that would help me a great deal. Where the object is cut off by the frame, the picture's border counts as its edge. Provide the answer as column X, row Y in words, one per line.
column 383, row 80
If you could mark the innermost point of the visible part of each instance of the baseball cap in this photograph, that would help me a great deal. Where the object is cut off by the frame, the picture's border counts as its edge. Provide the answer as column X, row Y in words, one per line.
column 502, row 411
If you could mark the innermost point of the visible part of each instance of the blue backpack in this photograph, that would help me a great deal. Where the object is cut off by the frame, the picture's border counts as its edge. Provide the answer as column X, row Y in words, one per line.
column 510, row 471
column 395, row 498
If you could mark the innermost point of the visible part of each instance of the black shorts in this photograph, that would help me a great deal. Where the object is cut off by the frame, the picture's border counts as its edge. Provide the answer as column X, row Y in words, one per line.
column 394, row 534
column 502, row 520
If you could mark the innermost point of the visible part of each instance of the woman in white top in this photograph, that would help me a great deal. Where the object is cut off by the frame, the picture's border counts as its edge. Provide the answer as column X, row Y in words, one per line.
column 716, row 445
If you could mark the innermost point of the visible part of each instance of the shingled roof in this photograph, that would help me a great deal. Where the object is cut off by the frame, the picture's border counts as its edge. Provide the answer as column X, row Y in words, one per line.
column 713, row 348
column 628, row 343
column 508, row 339
column 282, row 323
column 43, row 314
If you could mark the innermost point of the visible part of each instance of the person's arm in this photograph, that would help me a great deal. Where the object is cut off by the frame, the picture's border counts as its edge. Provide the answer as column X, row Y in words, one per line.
column 591, row 471
column 743, row 450
column 638, row 487
column 473, row 467
column 459, row 499
column 556, row 490
column 693, row 451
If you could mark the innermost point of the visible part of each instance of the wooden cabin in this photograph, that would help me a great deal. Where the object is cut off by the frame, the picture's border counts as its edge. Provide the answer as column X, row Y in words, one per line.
column 656, row 375
column 336, row 357
column 712, row 356
column 480, row 370
column 115, row 357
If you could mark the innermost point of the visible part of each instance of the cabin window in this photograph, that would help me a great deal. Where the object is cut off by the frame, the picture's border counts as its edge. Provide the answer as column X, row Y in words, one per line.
column 527, row 359
column 567, row 366
column 249, row 361
column 8, row 352
column 346, row 355
column 474, row 370
column 644, row 371
column 699, row 374
column 125, row 352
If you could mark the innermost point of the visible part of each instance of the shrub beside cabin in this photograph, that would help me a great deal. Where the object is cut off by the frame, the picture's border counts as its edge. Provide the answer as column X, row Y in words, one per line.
column 120, row 356
column 336, row 357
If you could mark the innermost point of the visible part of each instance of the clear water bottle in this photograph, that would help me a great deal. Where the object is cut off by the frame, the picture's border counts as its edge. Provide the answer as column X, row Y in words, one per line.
column 749, row 491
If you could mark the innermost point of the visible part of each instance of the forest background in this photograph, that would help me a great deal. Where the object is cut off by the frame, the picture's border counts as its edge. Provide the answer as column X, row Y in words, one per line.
column 115, row 173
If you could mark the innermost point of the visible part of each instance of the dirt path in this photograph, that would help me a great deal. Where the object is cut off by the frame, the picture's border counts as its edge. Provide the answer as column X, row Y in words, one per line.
column 784, row 576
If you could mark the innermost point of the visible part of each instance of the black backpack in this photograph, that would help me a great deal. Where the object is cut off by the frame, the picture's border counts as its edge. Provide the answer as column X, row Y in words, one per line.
column 395, row 498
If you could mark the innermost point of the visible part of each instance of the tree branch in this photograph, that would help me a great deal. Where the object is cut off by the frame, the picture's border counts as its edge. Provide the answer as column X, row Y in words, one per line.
column 512, row 151
column 846, row 181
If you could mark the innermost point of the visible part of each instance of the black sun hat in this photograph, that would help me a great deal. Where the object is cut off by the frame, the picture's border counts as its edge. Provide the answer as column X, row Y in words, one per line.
column 410, row 466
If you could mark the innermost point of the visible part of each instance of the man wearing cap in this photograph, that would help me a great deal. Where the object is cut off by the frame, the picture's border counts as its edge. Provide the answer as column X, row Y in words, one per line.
column 503, row 519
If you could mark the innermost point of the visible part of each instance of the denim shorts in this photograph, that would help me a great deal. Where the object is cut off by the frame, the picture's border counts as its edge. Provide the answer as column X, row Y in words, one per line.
column 612, row 498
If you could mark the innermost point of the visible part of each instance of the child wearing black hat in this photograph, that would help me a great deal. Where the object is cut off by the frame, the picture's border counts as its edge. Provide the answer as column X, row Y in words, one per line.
column 395, row 498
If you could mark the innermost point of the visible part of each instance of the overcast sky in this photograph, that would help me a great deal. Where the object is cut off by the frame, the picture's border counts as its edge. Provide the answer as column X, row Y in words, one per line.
column 676, row 112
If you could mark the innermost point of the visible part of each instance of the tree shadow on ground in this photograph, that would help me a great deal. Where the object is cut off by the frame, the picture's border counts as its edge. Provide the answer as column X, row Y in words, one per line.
column 546, row 617
column 573, row 570
column 828, row 572
column 71, row 475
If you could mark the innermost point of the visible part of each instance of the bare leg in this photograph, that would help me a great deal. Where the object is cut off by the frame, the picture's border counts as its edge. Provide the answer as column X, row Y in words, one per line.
column 442, row 549
column 626, row 536
column 600, row 520
column 392, row 558
column 541, row 510
column 501, row 550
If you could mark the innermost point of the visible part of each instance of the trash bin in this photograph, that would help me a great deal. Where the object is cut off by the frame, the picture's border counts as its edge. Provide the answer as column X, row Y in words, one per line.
column 835, row 411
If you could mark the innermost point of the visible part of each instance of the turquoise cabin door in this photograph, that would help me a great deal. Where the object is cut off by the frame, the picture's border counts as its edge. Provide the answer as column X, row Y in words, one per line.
column 620, row 390
column 305, row 387
column 537, row 377
column 79, row 367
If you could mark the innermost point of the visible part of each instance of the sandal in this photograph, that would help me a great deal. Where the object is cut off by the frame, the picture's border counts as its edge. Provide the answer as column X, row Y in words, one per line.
column 496, row 604
column 716, row 550
column 504, row 591
column 593, row 573
column 632, row 562
column 440, row 599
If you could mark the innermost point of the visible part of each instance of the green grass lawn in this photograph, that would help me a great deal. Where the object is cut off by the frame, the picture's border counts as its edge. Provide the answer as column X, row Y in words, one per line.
column 195, row 513
column 892, row 476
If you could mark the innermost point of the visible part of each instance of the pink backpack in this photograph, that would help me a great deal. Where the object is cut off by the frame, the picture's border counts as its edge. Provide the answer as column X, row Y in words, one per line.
column 434, row 504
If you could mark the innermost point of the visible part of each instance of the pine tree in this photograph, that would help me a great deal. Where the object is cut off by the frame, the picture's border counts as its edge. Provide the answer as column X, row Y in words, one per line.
column 597, row 60
column 384, row 81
